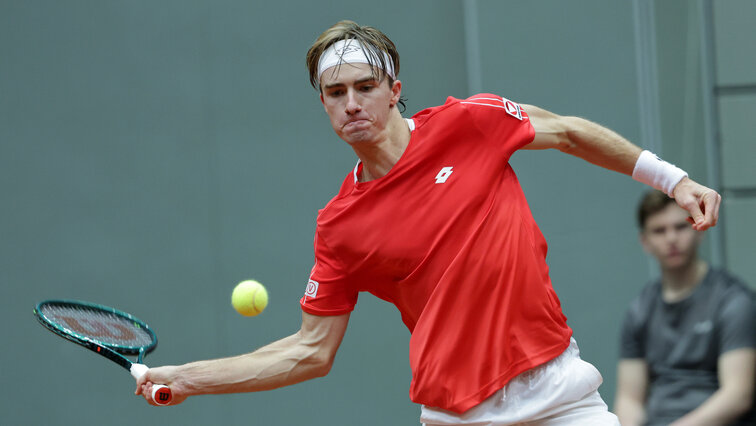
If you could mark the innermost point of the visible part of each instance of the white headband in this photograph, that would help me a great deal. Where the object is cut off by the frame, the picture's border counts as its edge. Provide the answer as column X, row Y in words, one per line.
column 351, row 51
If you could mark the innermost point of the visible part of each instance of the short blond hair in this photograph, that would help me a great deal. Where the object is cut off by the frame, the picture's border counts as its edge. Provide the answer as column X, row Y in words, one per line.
column 373, row 39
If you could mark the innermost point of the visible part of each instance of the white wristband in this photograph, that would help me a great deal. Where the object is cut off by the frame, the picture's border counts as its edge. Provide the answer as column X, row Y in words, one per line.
column 655, row 172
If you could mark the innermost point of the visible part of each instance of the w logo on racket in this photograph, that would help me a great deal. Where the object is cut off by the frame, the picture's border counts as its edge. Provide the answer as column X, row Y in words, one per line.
column 163, row 396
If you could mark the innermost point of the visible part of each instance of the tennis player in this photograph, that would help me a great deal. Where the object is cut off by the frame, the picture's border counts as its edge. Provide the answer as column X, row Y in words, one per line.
column 433, row 220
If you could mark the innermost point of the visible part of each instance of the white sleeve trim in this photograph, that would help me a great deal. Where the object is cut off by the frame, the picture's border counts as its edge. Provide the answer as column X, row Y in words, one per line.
column 411, row 124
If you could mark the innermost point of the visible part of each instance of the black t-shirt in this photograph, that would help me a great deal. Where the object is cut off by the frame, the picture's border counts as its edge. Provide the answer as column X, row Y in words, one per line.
column 682, row 341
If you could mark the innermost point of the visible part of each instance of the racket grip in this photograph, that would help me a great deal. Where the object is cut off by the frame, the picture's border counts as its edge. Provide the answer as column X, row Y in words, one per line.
column 161, row 394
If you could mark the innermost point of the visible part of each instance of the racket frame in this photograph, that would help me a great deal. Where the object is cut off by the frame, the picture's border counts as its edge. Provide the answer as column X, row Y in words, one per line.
column 112, row 352
column 91, row 343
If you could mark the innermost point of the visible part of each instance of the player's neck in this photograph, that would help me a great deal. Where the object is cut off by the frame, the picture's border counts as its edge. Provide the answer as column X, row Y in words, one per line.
column 380, row 156
column 679, row 283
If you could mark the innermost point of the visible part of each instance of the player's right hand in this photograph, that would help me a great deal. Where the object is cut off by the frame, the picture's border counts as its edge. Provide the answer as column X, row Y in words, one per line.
column 164, row 375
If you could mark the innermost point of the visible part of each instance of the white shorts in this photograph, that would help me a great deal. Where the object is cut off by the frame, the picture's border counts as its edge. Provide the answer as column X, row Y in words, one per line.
column 561, row 392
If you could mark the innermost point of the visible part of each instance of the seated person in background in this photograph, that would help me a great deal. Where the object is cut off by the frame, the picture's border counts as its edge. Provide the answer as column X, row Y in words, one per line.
column 687, row 354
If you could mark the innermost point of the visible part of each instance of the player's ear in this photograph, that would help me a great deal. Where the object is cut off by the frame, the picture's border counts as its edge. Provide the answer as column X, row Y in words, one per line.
column 396, row 92
column 321, row 98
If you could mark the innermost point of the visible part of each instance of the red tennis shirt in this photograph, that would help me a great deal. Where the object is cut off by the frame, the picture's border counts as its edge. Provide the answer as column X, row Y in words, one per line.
column 447, row 236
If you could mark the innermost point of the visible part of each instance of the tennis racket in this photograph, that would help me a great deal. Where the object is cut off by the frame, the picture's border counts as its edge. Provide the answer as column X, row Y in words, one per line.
column 106, row 331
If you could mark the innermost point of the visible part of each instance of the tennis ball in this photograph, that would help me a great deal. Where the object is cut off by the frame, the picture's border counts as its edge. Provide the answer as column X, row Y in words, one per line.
column 249, row 298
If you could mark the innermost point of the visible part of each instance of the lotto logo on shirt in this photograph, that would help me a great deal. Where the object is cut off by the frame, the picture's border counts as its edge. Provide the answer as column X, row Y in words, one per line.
column 444, row 174
column 312, row 288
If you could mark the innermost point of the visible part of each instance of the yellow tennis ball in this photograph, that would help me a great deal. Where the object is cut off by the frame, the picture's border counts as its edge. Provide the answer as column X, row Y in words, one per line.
column 249, row 298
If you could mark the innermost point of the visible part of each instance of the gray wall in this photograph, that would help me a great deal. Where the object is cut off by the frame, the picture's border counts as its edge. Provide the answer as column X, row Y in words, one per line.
column 707, row 80
column 153, row 154
column 734, row 88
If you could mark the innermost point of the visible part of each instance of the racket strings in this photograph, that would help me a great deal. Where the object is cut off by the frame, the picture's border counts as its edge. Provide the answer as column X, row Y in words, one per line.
column 104, row 327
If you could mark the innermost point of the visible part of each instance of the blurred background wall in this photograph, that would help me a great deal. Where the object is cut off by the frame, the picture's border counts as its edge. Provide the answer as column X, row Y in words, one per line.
column 153, row 154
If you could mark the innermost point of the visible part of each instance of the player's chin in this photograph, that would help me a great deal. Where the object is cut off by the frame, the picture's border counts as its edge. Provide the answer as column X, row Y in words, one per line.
column 358, row 137
column 358, row 131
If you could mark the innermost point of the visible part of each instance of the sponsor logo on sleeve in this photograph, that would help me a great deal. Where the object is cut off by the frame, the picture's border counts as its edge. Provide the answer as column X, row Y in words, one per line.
column 512, row 109
column 312, row 288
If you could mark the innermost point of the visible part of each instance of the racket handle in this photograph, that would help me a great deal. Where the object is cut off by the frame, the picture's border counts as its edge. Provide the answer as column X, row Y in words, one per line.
column 161, row 394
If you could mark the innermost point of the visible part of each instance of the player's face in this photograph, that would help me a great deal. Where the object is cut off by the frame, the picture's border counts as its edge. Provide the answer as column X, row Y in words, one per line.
column 358, row 104
column 669, row 237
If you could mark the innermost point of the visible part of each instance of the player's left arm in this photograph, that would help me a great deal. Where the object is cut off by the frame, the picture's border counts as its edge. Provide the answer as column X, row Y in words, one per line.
column 736, row 372
column 603, row 147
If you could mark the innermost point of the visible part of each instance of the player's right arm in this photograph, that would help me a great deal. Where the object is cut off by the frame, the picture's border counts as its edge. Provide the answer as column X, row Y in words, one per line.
column 632, row 385
column 305, row 355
